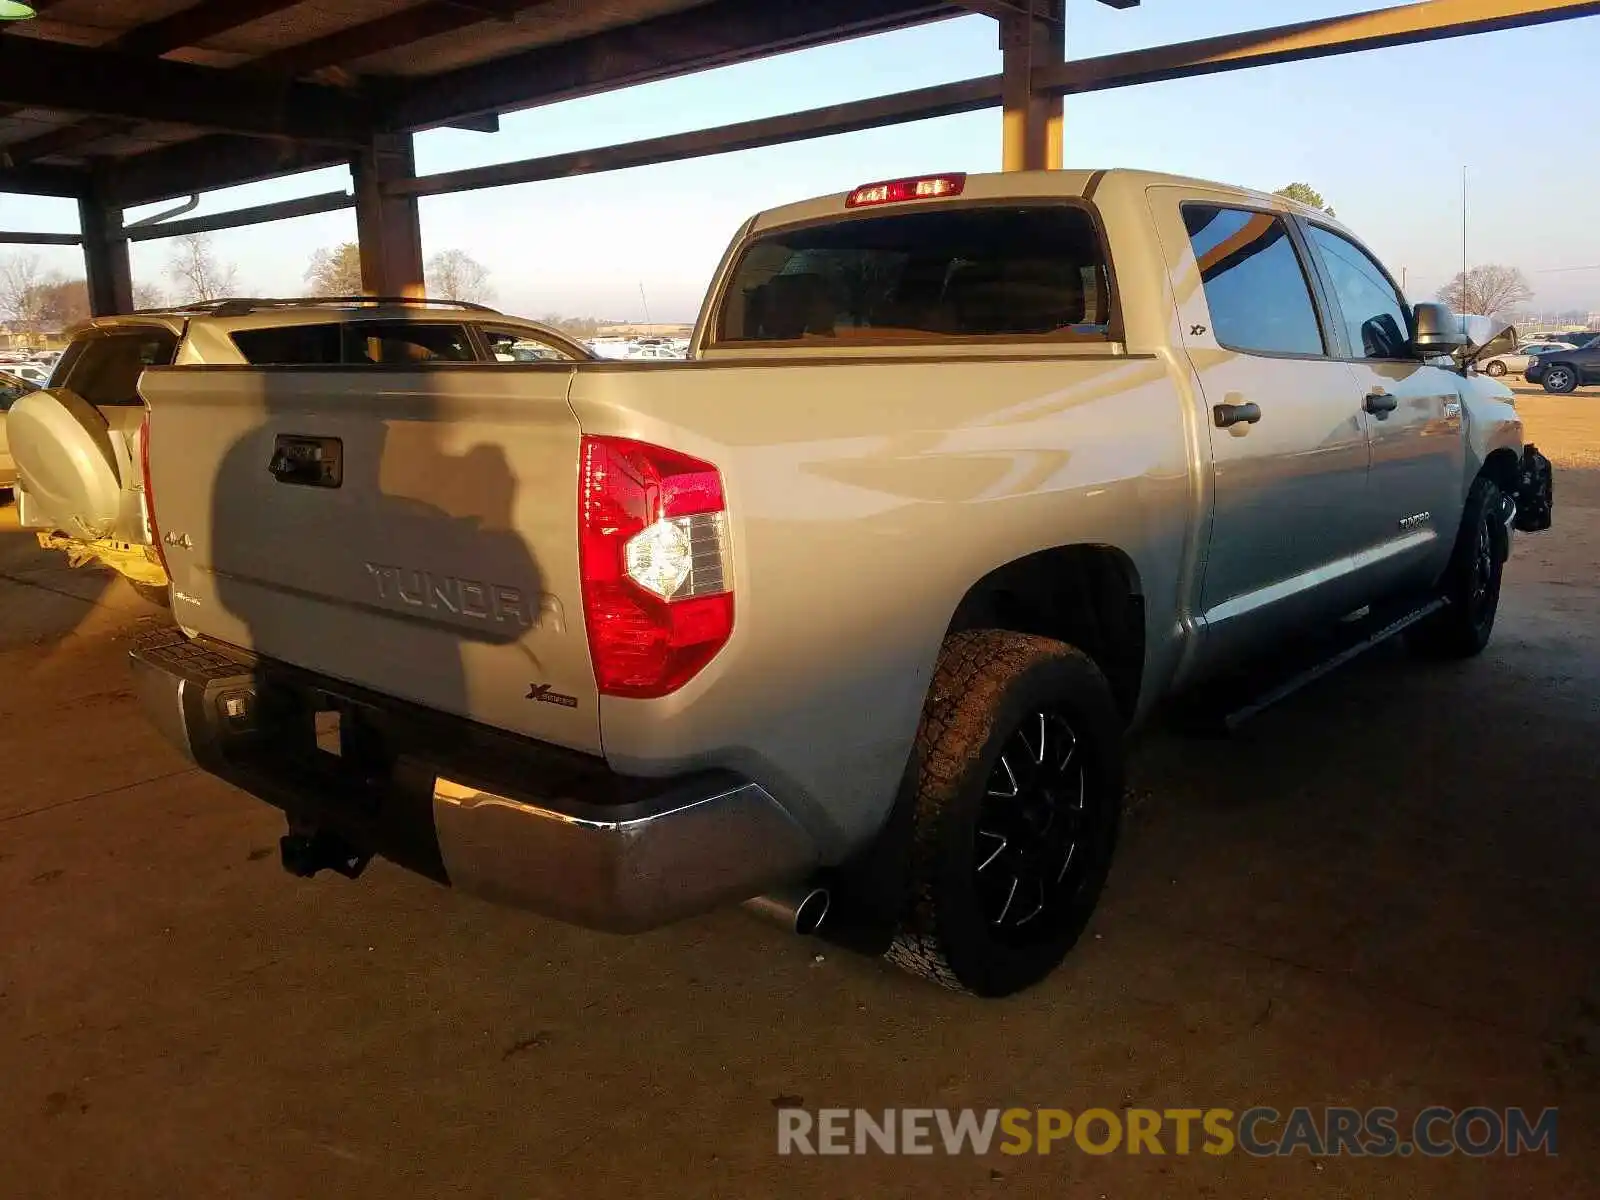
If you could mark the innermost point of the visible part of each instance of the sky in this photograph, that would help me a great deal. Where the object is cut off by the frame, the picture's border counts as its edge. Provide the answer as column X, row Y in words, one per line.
column 1384, row 136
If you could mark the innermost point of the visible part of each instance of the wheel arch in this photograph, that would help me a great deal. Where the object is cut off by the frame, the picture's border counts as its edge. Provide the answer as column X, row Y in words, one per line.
column 1088, row 595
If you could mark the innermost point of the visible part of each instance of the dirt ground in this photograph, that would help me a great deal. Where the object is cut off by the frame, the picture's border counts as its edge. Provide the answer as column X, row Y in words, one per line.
column 1382, row 892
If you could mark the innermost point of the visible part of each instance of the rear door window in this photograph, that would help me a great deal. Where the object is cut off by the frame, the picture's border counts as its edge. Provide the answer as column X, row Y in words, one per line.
column 106, row 370
column 288, row 345
column 405, row 342
column 992, row 271
column 357, row 342
column 519, row 346
column 1256, row 286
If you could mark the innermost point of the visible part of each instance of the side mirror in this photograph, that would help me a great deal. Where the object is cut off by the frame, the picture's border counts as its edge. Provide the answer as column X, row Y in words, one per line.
column 1438, row 331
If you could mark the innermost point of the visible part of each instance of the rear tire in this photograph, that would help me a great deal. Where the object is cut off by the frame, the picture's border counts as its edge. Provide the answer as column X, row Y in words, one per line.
column 1496, row 369
column 1471, row 584
column 1560, row 379
column 1017, row 793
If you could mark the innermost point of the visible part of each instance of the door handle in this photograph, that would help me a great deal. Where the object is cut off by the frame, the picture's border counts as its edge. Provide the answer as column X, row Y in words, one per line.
column 307, row 461
column 1236, row 414
column 1380, row 403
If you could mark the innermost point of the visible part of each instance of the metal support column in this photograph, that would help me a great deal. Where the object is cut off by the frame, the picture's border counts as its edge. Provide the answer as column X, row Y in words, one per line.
column 105, row 251
column 1032, row 35
column 387, row 226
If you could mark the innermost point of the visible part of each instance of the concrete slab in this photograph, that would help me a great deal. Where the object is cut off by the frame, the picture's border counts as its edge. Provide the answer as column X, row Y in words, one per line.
column 1381, row 892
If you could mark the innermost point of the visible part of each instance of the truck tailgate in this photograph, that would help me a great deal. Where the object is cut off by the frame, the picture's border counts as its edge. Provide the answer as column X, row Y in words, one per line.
column 413, row 532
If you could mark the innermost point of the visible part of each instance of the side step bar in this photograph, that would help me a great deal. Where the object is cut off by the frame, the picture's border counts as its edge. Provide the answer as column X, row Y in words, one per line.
column 1219, row 709
column 1327, row 666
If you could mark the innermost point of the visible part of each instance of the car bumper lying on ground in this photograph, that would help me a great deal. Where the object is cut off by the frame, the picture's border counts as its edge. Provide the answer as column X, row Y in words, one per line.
column 484, row 811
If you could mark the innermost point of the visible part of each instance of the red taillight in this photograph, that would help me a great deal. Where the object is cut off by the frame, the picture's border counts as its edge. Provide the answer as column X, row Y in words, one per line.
column 920, row 187
column 652, row 552
column 149, row 492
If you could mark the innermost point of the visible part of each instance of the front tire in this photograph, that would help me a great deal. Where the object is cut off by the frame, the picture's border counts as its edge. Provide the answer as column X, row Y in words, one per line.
column 1495, row 369
column 1471, row 584
column 1560, row 379
column 1017, row 795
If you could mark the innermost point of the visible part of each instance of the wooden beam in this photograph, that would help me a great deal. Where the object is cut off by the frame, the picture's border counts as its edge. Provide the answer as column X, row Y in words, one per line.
column 11, row 237
column 256, row 214
column 388, row 32
column 942, row 100
column 388, row 227
column 46, row 74
column 67, row 138
column 216, row 161
column 708, row 35
column 1398, row 25
column 195, row 24
column 186, row 27
column 1028, row 42
column 191, row 25
column 32, row 180
column 105, row 253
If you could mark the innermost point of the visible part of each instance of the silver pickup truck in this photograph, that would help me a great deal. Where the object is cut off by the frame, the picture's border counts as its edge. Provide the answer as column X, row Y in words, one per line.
column 853, row 609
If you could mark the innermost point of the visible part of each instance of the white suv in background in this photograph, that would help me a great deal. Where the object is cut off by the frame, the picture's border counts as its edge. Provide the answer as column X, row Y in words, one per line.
column 77, row 444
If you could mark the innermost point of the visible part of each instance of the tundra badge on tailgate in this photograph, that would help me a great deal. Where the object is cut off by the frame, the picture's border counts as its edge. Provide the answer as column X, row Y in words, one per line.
column 476, row 598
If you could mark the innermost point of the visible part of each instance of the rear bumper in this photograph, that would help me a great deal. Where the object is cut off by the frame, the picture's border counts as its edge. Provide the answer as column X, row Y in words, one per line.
column 514, row 821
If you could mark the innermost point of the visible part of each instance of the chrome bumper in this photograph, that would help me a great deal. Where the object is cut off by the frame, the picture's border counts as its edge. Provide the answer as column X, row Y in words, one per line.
column 596, row 849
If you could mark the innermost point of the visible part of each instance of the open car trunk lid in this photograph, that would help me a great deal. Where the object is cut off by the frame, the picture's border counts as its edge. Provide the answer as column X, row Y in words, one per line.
column 413, row 532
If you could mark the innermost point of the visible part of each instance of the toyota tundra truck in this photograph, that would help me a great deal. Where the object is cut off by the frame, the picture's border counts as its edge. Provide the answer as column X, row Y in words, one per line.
column 848, row 615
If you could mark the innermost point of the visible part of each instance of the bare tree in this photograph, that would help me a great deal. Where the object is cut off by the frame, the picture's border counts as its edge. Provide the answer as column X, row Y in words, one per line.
column 196, row 271
column 148, row 295
column 456, row 275
column 62, row 302
column 336, row 272
column 1486, row 291
column 21, row 278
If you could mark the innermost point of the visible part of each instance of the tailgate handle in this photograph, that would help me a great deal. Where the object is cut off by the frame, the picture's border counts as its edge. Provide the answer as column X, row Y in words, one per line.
column 307, row 461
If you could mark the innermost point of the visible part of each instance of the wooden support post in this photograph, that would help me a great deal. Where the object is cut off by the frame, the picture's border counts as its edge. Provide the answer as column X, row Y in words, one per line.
column 387, row 225
column 105, row 250
column 1033, row 126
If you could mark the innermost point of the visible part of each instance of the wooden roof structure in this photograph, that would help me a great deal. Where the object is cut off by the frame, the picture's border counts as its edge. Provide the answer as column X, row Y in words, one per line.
column 120, row 103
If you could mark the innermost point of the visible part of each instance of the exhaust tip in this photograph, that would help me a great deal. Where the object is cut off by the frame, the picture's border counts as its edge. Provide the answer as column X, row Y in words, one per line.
column 812, row 912
column 801, row 910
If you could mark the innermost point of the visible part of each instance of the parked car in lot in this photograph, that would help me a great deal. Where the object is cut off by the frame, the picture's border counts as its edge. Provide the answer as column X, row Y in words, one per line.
column 1517, row 362
column 35, row 373
column 853, row 609
column 1563, row 371
column 77, row 443
column 11, row 388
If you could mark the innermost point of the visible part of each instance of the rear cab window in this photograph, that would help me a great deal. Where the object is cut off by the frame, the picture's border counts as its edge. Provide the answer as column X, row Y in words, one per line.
column 104, row 368
column 1001, row 272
